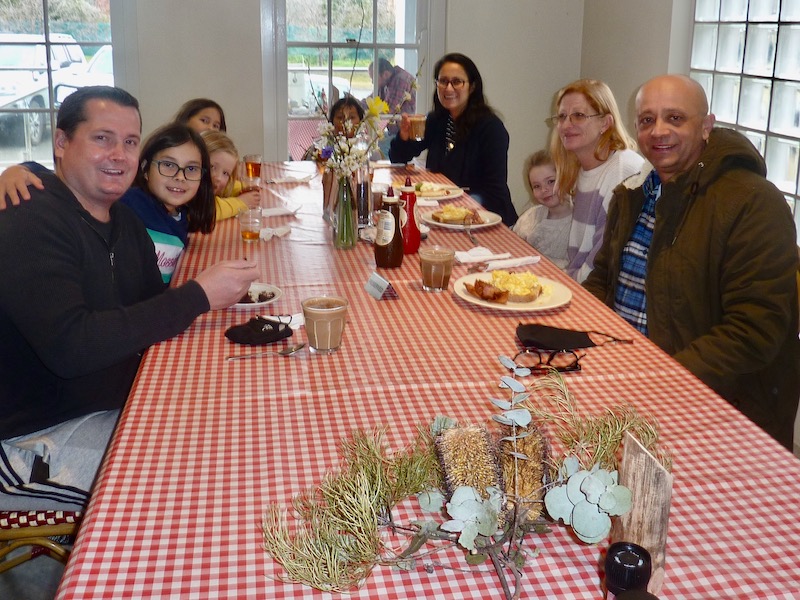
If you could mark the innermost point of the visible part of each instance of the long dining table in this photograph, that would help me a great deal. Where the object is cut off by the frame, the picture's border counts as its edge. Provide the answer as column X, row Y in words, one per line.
column 205, row 445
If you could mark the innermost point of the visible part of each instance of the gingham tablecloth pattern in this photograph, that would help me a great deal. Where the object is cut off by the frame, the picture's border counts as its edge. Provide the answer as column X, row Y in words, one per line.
column 204, row 445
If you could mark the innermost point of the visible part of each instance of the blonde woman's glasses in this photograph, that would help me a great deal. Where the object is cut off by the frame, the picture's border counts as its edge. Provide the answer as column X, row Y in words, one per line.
column 576, row 118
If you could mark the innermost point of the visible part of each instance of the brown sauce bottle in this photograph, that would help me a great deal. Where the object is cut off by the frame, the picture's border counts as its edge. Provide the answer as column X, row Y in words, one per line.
column 388, row 237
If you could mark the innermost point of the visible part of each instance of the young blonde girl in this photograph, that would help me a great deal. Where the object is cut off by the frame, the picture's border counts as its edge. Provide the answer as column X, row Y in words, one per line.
column 546, row 224
column 229, row 199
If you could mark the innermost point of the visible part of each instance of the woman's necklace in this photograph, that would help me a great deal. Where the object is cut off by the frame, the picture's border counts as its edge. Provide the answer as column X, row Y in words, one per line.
column 449, row 135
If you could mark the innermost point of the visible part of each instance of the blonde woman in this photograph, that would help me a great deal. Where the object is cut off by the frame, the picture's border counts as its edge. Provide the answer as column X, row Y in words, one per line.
column 592, row 153
column 229, row 200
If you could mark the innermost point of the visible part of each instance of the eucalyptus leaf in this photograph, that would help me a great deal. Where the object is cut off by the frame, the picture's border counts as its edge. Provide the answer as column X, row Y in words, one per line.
column 604, row 476
column 520, row 398
column 522, row 371
column 501, row 404
column 507, row 362
column 521, row 417
column 502, row 420
column 406, row 565
column 519, row 455
column 574, row 483
column 468, row 535
column 431, row 500
column 624, row 500
column 593, row 487
column 571, row 465
column 464, row 492
column 453, row 525
column 607, row 502
column 476, row 559
column 512, row 384
column 442, row 423
column 589, row 521
column 558, row 505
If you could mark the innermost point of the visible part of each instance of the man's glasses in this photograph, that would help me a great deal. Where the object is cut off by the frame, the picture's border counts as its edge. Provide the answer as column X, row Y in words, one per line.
column 540, row 361
column 443, row 82
column 169, row 169
column 576, row 118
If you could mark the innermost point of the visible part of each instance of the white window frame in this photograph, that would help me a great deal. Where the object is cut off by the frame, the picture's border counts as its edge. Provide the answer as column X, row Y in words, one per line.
column 431, row 43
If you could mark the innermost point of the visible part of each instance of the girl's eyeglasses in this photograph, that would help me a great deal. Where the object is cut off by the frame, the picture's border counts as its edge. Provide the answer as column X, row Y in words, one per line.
column 169, row 169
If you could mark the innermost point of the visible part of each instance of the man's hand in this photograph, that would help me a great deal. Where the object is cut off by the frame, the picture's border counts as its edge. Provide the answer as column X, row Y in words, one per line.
column 227, row 281
column 14, row 182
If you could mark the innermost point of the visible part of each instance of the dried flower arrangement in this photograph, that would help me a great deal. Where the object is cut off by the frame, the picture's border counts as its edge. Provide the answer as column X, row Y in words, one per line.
column 491, row 485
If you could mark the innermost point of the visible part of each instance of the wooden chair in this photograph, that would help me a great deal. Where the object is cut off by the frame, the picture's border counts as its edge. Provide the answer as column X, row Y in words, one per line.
column 34, row 529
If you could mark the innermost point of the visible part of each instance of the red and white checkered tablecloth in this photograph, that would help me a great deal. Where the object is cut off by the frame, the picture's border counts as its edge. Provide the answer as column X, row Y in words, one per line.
column 205, row 445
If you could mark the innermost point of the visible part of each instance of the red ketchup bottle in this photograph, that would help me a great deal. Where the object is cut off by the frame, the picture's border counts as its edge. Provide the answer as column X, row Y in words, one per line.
column 411, row 237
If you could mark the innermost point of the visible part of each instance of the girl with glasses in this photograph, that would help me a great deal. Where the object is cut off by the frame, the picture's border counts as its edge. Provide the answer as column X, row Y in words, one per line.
column 173, row 193
column 465, row 139
column 592, row 153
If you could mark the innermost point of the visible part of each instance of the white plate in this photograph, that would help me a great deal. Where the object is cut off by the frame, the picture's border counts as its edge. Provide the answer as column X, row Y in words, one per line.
column 261, row 287
column 555, row 294
column 446, row 192
column 489, row 219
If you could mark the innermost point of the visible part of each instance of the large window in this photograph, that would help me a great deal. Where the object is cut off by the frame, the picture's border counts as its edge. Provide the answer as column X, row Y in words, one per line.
column 48, row 48
column 747, row 57
column 330, row 45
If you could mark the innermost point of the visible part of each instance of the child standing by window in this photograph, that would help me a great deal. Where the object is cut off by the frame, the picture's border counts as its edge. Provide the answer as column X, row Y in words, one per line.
column 546, row 224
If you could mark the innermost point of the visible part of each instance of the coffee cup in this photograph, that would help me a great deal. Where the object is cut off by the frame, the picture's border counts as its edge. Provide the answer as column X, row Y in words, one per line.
column 417, row 127
column 436, row 264
column 325, row 318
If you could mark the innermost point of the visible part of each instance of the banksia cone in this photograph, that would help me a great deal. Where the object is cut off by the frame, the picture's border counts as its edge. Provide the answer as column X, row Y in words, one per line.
column 468, row 458
column 529, row 472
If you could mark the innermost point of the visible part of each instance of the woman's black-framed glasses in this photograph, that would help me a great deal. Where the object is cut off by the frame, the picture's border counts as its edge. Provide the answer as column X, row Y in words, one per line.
column 541, row 361
column 443, row 82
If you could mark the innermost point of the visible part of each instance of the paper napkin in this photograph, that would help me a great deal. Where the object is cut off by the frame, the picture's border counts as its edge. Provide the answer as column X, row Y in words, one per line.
column 479, row 254
column 278, row 211
column 267, row 233
column 426, row 202
column 292, row 179
column 512, row 262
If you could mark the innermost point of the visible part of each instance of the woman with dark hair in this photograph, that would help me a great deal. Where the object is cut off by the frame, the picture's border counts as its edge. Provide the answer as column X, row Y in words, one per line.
column 201, row 114
column 173, row 193
column 465, row 139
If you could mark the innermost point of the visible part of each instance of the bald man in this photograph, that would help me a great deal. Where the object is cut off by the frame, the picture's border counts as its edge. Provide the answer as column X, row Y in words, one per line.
column 701, row 256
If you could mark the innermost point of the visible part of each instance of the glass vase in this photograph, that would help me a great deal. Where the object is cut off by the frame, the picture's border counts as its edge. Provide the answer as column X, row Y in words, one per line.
column 345, row 233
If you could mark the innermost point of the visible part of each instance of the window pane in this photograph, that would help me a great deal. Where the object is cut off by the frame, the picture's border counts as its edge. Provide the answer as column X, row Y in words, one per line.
column 782, row 155
column 790, row 11
column 704, row 46
column 706, row 80
column 754, row 105
column 351, row 22
column 306, row 21
column 733, row 10
column 765, row 10
column 730, row 51
column 397, row 22
column 350, row 71
column 725, row 98
column 309, row 87
column 760, row 53
column 759, row 140
column 706, row 10
column 788, row 64
column 785, row 116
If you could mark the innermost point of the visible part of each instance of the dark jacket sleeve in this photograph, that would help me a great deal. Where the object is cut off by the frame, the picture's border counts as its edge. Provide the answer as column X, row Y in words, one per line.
column 81, row 304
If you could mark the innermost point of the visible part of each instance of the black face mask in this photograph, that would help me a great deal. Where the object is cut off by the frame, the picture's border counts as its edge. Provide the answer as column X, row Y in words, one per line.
column 544, row 337
column 257, row 332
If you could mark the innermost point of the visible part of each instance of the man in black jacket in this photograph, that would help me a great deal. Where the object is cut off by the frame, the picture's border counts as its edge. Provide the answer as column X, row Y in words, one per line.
column 82, row 299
